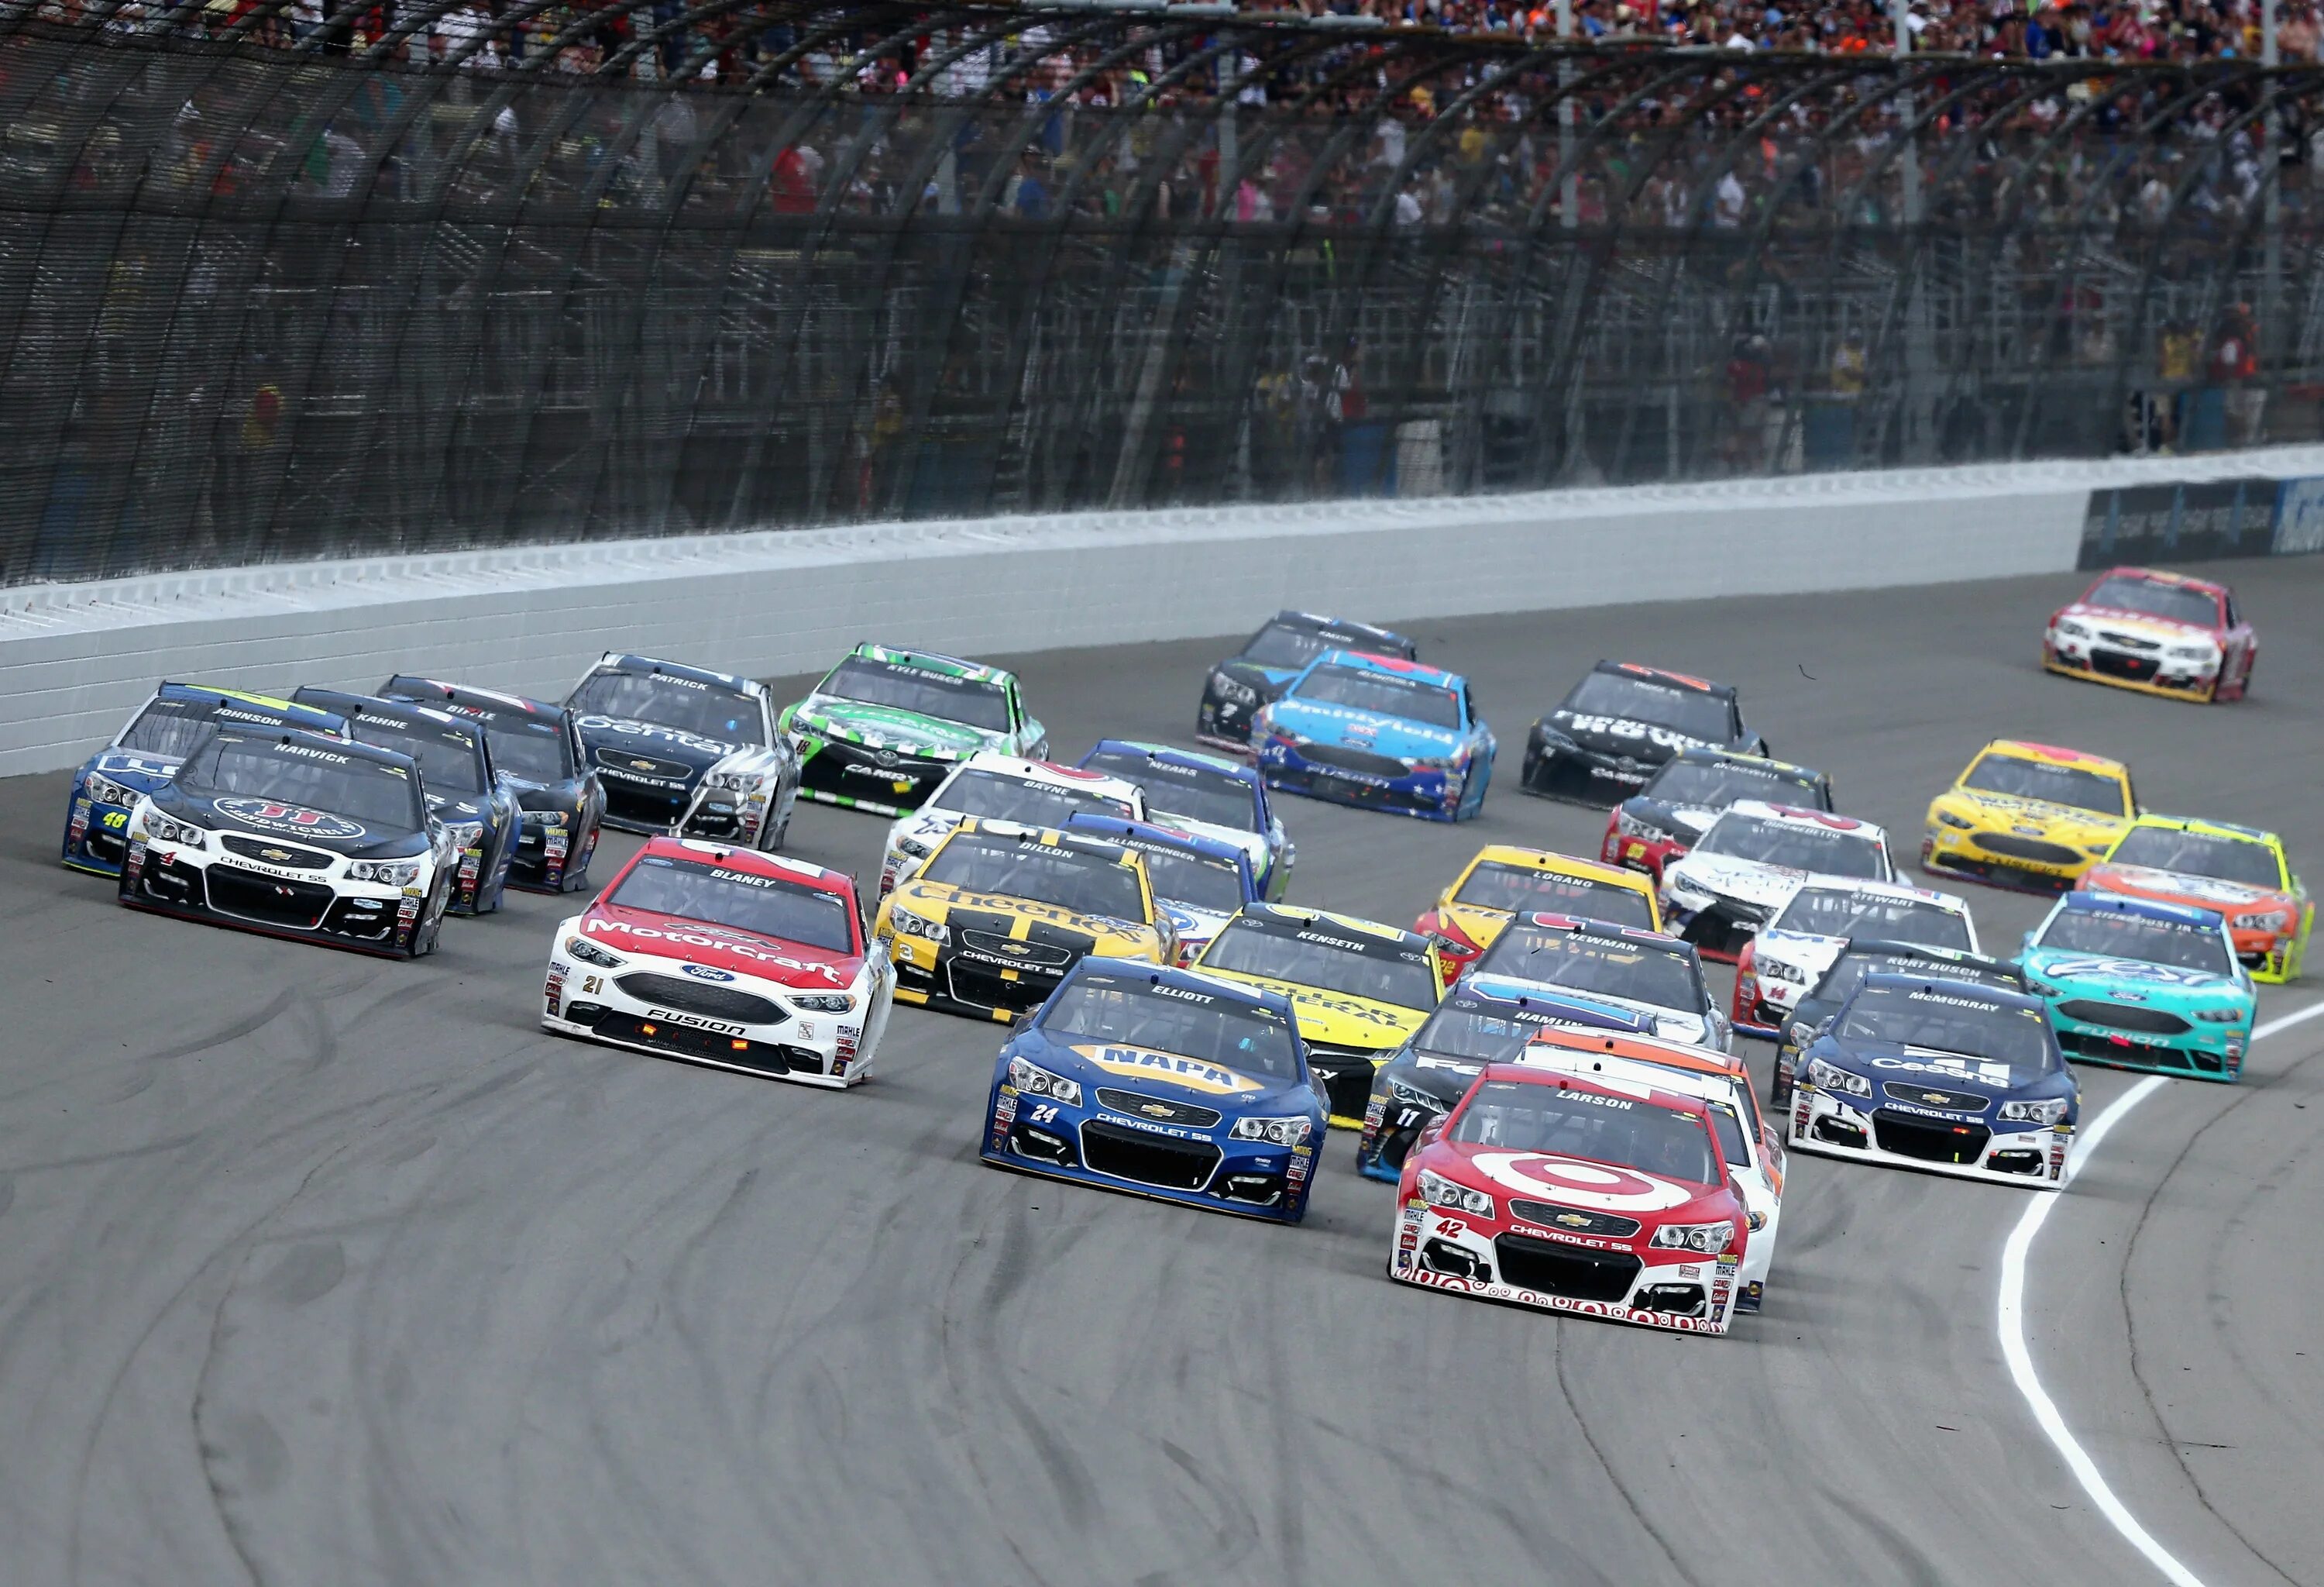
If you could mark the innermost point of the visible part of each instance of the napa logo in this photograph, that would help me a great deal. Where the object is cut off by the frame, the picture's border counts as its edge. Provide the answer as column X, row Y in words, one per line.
column 1143, row 1064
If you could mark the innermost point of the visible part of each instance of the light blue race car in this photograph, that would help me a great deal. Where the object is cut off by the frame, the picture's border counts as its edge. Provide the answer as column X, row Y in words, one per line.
column 1380, row 732
column 2137, row 984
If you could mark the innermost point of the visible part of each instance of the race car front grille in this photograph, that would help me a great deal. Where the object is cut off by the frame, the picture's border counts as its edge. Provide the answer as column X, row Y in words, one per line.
column 857, row 774
column 984, row 985
column 2145, row 1055
column 1563, row 1269
column 687, row 1041
column 711, row 1002
column 1158, row 1109
column 1724, row 925
column 2130, row 668
column 274, row 853
column 629, row 765
column 630, row 803
column 1929, row 1140
column 2129, row 641
column 1922, row 1096
column 1591, row 778
column 2124, row 1017
column 247, row 896
column 106, row 847
column 2013, row 846
column 1148, row 1159
column 1361, row 761
column 1039, row 955
column 1580, row 1223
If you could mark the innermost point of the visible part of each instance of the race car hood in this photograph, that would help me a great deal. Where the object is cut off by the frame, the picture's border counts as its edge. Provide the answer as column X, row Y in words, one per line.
column 1688, row 822
column 1881, row 1060
column 1268, row 681
column 1646, row 743
column 2160, row 631
column 454, row 809
column 885, row 727
column 1748, row 880
column 1252, row 844
column 1333, row 1018
column 1363, row 730
column 292, row 824
column 2176, row 887
column 623, row 750
column 1152, row 1069
column 1481, row 927
column 1025, row 919
column 721, row 948
column 2086, row 830
column 1587, row 1186
column 133, row 769
column 2127, row 981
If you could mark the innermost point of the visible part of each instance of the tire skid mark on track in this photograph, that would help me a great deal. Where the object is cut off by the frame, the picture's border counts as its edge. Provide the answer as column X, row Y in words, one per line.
column 1598, row 1454
column 1914, row 1566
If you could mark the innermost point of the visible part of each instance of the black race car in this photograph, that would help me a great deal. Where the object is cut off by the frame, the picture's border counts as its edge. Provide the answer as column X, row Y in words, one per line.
column 1620, row 723
column 1875, row 956
column 1240, row 684
column 455, row 772
column 536, row 754
column 686, row 752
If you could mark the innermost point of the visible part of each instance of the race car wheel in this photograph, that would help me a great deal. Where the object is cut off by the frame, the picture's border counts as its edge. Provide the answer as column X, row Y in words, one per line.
column 774, row 837
column 431, row 923
column 576, row 875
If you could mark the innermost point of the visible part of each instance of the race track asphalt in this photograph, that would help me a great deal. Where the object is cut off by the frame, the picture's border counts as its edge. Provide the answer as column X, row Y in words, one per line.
column 315, row 1270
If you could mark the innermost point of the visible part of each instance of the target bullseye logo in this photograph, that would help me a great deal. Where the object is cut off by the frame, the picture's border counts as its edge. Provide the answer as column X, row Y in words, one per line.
column 1575, row 1183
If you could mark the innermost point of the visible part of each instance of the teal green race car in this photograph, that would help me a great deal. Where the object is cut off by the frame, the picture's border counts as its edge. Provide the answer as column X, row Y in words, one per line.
column 886, row 726
column 2139, row 984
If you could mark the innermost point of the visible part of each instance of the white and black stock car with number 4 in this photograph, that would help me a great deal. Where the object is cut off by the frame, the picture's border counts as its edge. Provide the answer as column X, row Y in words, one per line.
column 294, row 834
column 686, row 752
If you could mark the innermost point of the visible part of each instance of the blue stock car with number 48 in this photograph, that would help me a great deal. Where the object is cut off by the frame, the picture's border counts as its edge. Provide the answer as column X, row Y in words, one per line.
column 1381, row 732
column 2136, row 984
column 146, row 753
column 1160, row 1083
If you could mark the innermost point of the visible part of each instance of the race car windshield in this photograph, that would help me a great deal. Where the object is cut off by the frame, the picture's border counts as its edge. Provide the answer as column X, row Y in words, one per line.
column 1849, row 972
column 1715, row 785
column 448, row 762
column 1199, row 882
column 381, row 798
column 1494, row 885
column 1382, row 693
column 685, row 703
column 2244, row 859
column 168, row 728
column 535, row 751
column 1472, row 1028
column 996, row 797
column 1190, row 793
column 1618, row 1131
column 2051, row 785
column 1327, row 958
column 979, row 702
column 1120, row 1011
column 1288, row 647
column 1085, row 882
column 1643, row 972
column 2176, row 602
column 1800, row 845
column 2001, row 1046
column 2179, row 943
column 1629, row 699
column 1729, row 1130
column 1840, row 911
column 739, row 901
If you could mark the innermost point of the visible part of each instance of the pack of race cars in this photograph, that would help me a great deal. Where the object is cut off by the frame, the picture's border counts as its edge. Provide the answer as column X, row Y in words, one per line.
column 1539, row 1064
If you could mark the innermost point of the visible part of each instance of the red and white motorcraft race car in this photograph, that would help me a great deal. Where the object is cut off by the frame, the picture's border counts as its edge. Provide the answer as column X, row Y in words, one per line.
column 1605, row 1196
column 2159, row 632
column 725, row 957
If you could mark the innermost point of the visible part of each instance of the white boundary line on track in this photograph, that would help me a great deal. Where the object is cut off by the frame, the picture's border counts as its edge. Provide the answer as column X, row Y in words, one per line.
column 2011, row 1323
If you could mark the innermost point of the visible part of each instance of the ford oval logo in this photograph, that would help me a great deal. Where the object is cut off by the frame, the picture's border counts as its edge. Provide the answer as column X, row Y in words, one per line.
column 704, row 973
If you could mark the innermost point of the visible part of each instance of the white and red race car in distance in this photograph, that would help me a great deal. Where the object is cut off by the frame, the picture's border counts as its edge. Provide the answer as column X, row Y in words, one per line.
column 1606, row 1197
column 1812, row 929
column 725, row 957
column 996, row 786
column 1745, row 868
column 2155, row 632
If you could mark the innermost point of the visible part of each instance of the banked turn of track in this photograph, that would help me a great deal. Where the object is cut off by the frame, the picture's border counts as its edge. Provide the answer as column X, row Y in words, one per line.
column 314, row 1269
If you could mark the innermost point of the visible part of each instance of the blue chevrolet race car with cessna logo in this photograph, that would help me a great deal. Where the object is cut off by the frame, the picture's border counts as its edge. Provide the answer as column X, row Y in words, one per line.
column 1380, row 732
column 2140, row 984
column 686, row 751
column 1160, row 1083
column 147, row 753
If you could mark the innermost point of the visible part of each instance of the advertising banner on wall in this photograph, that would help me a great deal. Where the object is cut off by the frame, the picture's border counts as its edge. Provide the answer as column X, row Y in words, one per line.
column 2197, row 521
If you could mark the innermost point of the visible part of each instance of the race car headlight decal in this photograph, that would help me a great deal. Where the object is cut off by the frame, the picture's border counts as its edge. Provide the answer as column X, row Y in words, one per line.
column 105, row 791
column 729, row 782
column 2072, row 630
column 1453, row 946
column 544, row 817
column 2046, row 1110
column 1431, row 763
column 1413, row 1096
column 1701, row 1237
column 1947, row 818
column 1230, row 688
column 1630, row 826
column 384, row 872
column 1441, row 1191
column 1688, row 898
column 1755, row 1221
column 911, row 848
column 161, row 828
column 2227, row 1016
column 907, row 924
column 2040, row 988
column 824, row 1003
column 1776, row 970
column 1274, row 1131
column 1826, row 1076
column 589, row 953
column 2272, row 920
column 466, row 835
column 1031, row 1080
column 2193, row 653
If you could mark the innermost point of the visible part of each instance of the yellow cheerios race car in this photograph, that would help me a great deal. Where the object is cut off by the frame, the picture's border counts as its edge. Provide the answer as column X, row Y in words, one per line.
column 999, row 912
column 2028, row 815
column 2241, row 872
column 1358, row 988
column 1502, row 880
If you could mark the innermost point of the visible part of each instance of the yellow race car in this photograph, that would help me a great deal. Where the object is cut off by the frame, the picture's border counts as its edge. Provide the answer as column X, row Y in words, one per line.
column 999, row 912
column 1503, row 880
column 2028, row 815
column 2242, row 873
column 1358, row 988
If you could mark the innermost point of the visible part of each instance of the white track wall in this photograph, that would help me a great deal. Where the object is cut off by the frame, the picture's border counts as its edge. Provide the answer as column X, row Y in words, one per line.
column 76, row 659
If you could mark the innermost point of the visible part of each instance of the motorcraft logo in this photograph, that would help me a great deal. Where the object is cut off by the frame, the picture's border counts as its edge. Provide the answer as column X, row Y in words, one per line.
column 272, row 816
column 725, row 945
column 703, row 972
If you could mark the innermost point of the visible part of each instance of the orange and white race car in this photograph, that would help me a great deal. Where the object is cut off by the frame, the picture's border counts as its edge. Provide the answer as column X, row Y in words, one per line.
column 2160, row 633
column 2242, row 873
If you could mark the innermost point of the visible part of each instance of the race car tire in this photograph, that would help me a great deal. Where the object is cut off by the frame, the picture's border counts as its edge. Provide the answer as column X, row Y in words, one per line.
column 577, row 878
column 773, row 837
column 431, row 923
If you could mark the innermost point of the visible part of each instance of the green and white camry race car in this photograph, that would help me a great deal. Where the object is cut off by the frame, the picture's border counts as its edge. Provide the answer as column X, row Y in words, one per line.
column 886, row 726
